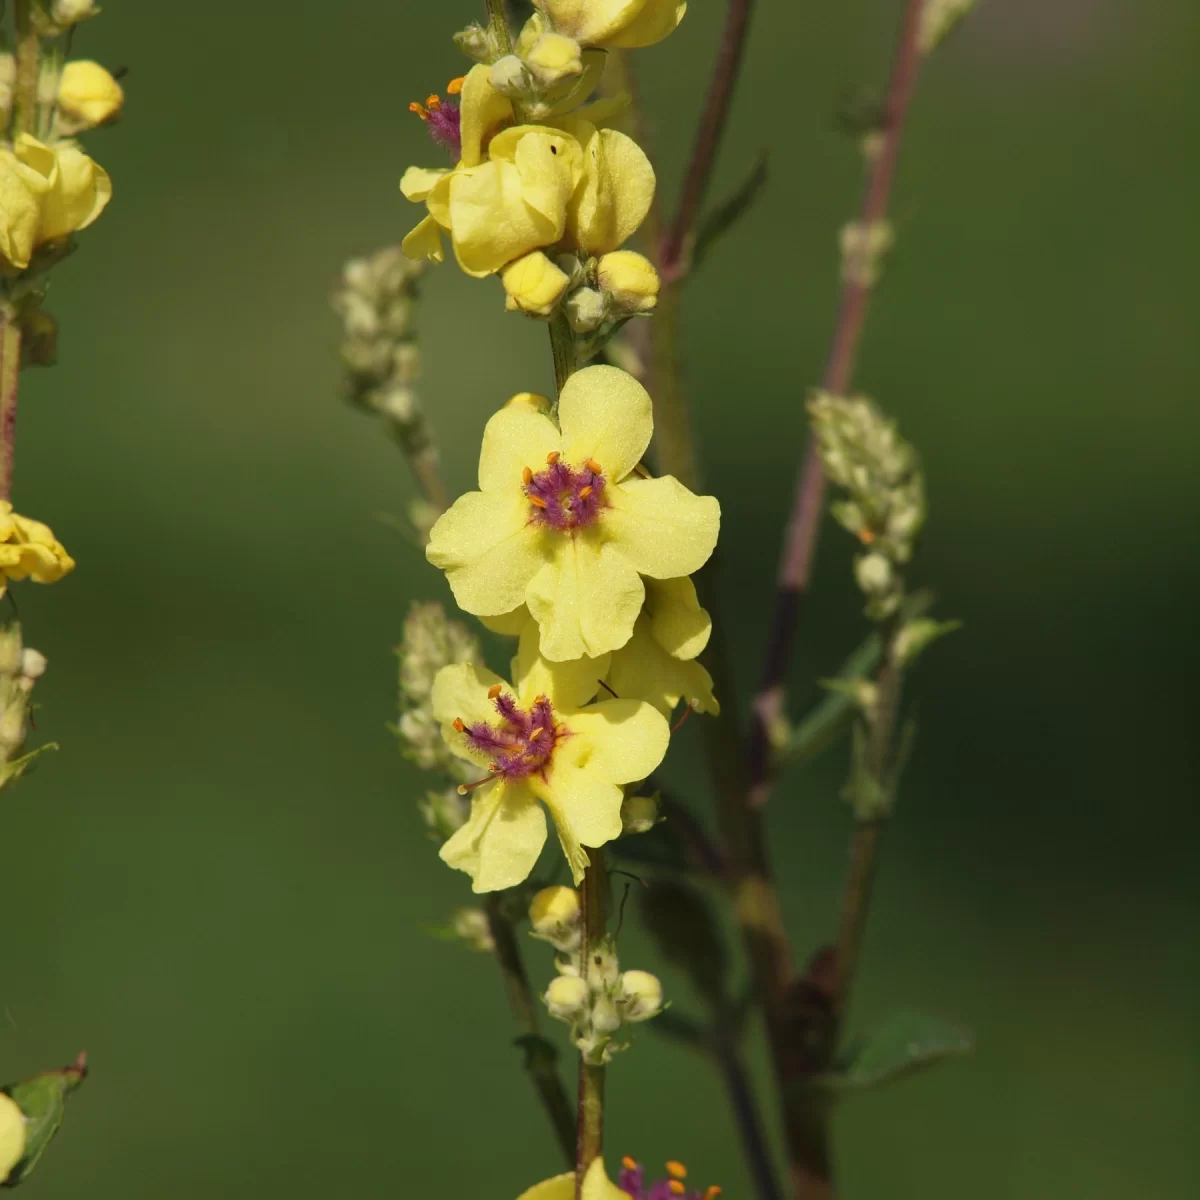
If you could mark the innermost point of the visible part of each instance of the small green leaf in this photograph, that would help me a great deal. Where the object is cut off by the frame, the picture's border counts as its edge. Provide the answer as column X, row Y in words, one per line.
column 43, row 1100
column 723, row 218
column 907, row 1042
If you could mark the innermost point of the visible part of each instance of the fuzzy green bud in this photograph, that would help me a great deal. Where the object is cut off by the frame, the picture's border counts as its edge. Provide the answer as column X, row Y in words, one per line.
column 477, row 42
column 587, row 309
column 639, row 814
column 471, row 924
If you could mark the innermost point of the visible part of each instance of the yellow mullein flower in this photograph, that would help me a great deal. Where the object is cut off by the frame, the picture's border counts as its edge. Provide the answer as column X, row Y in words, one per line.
column 29, row 550
column 563, row 524
column 596, row 1186
column 629, row 280
column 622, row 24
column 12, row 1135
column 88, row 94
column 46, row 194
column 538, row 742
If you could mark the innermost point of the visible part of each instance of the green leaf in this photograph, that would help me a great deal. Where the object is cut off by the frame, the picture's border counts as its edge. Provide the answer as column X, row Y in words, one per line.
column 907, row 1042
column 723, row 218
column 43, row 1100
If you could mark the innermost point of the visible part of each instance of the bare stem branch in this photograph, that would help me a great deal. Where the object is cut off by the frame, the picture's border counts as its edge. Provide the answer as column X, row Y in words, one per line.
column 589, row 1144
column 10, row 372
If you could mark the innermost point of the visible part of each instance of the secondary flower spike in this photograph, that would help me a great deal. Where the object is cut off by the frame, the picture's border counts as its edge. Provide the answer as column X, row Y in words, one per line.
column 536, row 742
column 562, row 523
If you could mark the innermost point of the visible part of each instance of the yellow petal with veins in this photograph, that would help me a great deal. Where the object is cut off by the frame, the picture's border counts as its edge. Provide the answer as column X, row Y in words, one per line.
column 659, row 526
column 605, row 415
column 620, row 740
column 516, row 437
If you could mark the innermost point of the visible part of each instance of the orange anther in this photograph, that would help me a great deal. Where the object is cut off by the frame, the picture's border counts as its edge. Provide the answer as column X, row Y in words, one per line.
column 553, row 457
column 494, row 691
column 537, row 733
column 585, row 492
column 433, row 101
column 866, row 536
column 420, row 110
column 712, row 1193
column 676, row 1170
column 593, row 466
column 458, row 724
column 526, row 475
column 677, row 1187
column 630, row 1164
column 538, row 501
column 455, row 86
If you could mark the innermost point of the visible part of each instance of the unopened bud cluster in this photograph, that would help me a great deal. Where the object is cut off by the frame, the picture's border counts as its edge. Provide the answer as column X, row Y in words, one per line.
column 938, row 18
column 20, row 668
column 431, row 641
column 863, row 453
column 377, row 302
column 594, row 996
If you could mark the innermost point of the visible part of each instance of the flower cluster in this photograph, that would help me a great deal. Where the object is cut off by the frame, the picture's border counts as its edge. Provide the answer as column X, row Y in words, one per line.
column 595, row 998
column 20, row 668
column 541, row 191
column 573, row 547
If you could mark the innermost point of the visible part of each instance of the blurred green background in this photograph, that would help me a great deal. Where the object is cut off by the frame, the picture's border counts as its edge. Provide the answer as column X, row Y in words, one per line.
column 217, row 886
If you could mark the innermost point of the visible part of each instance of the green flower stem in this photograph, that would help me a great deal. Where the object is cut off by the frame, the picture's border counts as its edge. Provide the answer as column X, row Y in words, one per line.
column 541, row 1067
column 498, row 16
column 10, row 373
column 562, row 347
column 28, row 65
column 589, row 1136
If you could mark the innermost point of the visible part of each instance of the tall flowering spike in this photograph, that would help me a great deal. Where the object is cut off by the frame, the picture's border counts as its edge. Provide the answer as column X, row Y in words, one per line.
column 561, row 522
column 537, row 742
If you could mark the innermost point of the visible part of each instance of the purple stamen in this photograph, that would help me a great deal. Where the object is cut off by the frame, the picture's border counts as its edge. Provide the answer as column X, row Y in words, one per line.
column 523, row 742
column 564, row 498
column 445, row 127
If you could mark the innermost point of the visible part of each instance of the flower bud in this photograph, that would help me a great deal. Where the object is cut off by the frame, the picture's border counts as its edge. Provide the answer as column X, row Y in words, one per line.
column 639, row 814
column 641, row 995
column 556, row 918
column 476, row 42
column 534, row 285
column 567, row 997
column 510, row 77
column 12, row 1135
column 89, row 95
column 33, row 663
column 554, row 58
column 71, row 12
column 630, row 281
column 586, row 309
column 606, row 1018
column 10, row 650
column 873, row 573
column 471, row 924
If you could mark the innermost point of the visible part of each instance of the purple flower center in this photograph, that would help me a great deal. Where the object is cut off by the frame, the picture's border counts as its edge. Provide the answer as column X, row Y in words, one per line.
column 632, row 1181
column 522, row 742
column 564, row 497
column 443, row 119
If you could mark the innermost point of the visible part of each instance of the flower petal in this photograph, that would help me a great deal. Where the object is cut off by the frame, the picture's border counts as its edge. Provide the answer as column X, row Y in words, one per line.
column 424, row 240
column 657, row 19
column 511, row 624
column 586, row 598
column 663, row 529
column 483, row 109
column 460, row 691
column 516, row 437
column 621, row 740
column 488, row 549
column 615, row 193
column 418, row 182
column 500, row 843
column 560, row 1187
column 679, row 625
column 586, row 809
column 569, row 684
column 643, row 670
column 606, row 415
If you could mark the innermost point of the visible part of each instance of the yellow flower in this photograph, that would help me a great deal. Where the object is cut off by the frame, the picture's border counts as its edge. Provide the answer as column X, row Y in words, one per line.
column 88, row 94
column 563, row 524
column 624, row 24
column 537, row 742
column 12, row 1135
column 534, row 284
column 29, row 550
column 596, row 1186
column 46, row 194
column 553, row 58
